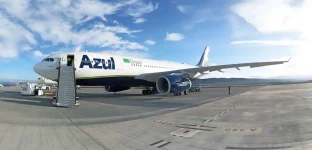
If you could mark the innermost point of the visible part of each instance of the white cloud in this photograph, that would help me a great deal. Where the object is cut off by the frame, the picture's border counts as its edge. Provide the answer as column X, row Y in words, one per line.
column 135, row 54
column 16, row 7
column 275, row 16
column 200, row 14
column 238, row 27
column 156, row 6
column 78, row 48
column 26, row 48
column 150, row 42
column 115, row 22
column 115, row 29
column 174, row 36
column 184, row 9
column 138, row 9
column 134, row 46
column 139, row 20
column 12, row 36
column 56, row 22
column 39, row 54
column 269, row 42
column 280, row 17
column 45, row 46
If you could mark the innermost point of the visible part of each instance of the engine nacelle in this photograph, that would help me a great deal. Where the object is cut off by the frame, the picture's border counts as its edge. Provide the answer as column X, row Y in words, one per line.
column 116, row 88
column 172, row 84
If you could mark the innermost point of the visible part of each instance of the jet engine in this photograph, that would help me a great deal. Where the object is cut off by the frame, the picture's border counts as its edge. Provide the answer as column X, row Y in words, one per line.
column 174, row 84
column 116, row 88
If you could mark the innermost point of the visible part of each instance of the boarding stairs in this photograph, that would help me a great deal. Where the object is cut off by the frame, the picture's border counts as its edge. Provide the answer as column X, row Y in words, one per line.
column 66, row 90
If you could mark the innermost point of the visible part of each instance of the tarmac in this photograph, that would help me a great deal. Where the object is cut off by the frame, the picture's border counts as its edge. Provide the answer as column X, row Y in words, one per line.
column 252, row 117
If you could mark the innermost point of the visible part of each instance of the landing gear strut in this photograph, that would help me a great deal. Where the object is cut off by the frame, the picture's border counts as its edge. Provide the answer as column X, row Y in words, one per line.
column 147, row 92
column 186, row 92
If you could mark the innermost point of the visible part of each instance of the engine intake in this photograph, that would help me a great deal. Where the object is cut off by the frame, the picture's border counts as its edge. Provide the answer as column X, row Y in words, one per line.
column 116, row 88
column 172, row 84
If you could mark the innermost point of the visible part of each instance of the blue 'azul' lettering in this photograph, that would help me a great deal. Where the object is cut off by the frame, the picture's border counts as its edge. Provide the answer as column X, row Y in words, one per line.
column 97, row 63
column 113, row 63
column 85, row 61
column 106, row 64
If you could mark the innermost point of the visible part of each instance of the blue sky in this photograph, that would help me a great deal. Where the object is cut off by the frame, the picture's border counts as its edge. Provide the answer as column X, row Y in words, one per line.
column 237, row 31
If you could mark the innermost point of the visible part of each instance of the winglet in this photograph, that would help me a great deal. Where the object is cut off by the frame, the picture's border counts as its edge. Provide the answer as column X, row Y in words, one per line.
column 289, row 59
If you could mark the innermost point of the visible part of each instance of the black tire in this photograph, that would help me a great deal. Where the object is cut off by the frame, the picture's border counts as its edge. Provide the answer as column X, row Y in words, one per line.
column 144, row 92
column 149, row 92
column 186, row 92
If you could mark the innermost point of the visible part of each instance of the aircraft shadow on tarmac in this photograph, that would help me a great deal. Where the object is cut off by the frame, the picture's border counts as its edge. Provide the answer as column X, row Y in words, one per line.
column 126, row 99
column 45, row 103
column 118, row 95
column 156, row 101
column 114, row 99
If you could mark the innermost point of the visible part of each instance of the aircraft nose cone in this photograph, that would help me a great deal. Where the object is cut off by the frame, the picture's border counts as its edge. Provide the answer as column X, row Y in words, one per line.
column 36, row 68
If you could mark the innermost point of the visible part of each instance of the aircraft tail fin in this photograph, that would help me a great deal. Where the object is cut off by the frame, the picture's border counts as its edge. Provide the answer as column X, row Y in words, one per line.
column 204, row 58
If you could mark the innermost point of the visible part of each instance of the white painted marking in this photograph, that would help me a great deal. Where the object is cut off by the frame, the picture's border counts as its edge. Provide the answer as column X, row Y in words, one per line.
column 185, row 132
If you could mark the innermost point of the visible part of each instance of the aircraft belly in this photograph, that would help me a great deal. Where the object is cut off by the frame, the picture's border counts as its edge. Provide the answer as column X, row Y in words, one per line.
column 117, row 81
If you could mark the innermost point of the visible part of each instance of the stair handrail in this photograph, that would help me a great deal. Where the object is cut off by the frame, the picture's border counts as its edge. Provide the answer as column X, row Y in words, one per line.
column 58, row 79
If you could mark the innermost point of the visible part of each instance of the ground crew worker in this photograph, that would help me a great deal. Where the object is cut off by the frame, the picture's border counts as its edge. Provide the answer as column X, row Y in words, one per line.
column 68, row 61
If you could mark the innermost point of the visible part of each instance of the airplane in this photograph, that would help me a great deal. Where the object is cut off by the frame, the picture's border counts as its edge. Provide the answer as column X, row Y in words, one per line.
column 119, row 73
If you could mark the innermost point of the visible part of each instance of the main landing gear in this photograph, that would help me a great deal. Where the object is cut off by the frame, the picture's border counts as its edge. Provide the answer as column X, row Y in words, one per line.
column 147, row 92
column 186, row 92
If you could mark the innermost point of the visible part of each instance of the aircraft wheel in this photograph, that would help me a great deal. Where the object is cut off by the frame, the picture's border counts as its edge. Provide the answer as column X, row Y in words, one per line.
column 149, row 92
column 144, row 92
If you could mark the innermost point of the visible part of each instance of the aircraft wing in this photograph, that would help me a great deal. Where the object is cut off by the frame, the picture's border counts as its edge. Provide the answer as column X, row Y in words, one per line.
column 192, row 71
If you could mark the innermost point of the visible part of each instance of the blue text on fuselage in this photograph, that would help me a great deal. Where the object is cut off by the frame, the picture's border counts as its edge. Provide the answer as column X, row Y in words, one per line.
column 97, row 63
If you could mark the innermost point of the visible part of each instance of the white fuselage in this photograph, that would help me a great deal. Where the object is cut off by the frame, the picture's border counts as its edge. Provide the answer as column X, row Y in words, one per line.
column 100, row 65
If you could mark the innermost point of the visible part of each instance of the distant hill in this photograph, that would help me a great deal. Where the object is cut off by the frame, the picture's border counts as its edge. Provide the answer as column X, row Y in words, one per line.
column 10, row 82
column 241, row 81
column 5, row 84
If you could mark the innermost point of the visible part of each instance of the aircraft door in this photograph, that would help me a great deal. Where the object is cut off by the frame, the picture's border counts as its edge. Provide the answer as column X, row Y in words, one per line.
column 70, row 60
column 63, row 59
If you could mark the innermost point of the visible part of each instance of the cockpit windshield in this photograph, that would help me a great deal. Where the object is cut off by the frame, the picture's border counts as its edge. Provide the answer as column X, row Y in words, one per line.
column 48, row 60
